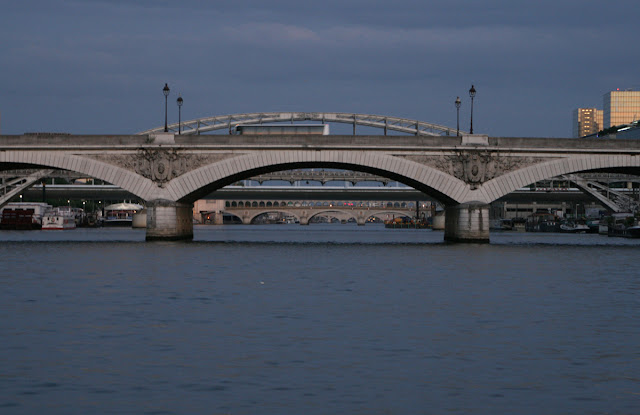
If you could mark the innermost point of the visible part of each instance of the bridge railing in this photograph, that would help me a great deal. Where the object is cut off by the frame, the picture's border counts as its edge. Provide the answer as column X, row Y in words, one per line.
column 386, row 123
column 323, row 176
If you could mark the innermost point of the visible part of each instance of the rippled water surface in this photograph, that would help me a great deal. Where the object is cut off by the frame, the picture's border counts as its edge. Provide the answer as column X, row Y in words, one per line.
column 320, row 319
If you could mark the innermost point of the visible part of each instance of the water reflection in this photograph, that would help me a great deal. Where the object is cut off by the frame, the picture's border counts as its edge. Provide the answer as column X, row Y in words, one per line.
column 315, row 320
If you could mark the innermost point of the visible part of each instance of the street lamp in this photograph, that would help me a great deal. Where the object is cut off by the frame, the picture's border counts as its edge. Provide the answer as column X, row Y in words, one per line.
column 179, row 101
column 458, row 103
column 472, row 94
column 165, row 91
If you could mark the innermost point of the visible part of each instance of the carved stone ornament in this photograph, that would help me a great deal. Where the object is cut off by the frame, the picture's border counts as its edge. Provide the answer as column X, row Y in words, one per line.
column 476, row 167
column 160, row 165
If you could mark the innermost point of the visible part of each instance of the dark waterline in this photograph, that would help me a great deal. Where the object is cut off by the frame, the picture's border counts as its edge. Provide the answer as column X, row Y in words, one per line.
column 317, row 320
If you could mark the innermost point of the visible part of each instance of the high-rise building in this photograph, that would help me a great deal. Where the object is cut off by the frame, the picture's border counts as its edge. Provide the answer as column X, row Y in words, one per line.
column 621, row 107
column 586, row 121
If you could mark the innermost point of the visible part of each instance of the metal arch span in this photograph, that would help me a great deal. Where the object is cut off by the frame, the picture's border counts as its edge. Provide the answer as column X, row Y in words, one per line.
column 227, row 122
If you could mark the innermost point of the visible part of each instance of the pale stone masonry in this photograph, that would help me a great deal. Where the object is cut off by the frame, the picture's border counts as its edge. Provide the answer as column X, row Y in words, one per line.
column 464, row 173
column 167, row 220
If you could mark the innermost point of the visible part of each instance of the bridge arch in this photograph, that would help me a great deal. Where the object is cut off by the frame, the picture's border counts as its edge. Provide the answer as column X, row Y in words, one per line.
column 308, row 214
column 249, row 218
column 198, row 183
column 232, row 213
column 509, row 182
column 384, row 122
column 381, row 213
column 123, row 178
column 336, row 213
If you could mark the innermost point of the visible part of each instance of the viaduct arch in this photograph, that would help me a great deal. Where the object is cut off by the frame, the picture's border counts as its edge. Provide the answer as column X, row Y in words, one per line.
column 305, row 214
column 204, row 180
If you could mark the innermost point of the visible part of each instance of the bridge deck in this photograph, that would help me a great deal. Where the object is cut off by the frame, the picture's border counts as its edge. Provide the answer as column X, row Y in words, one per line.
column 289, row 142
column 464, row 173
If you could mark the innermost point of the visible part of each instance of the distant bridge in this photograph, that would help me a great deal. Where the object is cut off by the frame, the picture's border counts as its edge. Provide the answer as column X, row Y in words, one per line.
column 332, row 193
column 304, row 211
column 383, row 122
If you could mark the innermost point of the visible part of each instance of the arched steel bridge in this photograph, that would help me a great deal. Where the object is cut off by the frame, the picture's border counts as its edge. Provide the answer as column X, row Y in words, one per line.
column 386, row 123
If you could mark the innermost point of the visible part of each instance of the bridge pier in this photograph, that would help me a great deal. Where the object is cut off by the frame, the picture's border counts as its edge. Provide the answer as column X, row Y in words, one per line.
column 467, row 222
column 169, row 221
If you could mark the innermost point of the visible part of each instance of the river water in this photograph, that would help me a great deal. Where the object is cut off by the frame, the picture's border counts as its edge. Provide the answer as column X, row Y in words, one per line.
column 319, row 319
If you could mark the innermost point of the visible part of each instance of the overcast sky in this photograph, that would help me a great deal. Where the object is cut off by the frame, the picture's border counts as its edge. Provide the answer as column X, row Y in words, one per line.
column 99, row 66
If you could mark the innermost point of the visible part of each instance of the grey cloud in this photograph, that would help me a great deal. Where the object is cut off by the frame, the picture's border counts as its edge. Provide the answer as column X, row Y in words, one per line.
column 405, row 58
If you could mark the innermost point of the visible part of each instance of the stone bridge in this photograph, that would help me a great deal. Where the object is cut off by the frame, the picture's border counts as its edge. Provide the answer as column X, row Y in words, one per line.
column 465, row 173
column 304, row 211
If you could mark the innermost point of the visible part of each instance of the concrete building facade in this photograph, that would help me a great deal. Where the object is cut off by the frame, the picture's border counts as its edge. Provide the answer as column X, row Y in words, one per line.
column 587, row 121
column 620, row 107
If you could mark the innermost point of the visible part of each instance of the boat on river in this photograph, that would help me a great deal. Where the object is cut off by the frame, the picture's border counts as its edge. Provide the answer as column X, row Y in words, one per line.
column 58, row 219
column 624, row 225
column 405, row 223
column 23, row 215
column 633, row 231
column 121, row 214
column 624, row 231
column 501, row 225
column 543, row 222
column 574, row 227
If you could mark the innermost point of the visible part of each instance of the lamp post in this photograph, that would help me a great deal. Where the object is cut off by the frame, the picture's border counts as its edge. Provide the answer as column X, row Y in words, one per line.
column 179, row 101
column 165, row 91
column 472, row 94
column 458, row 103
